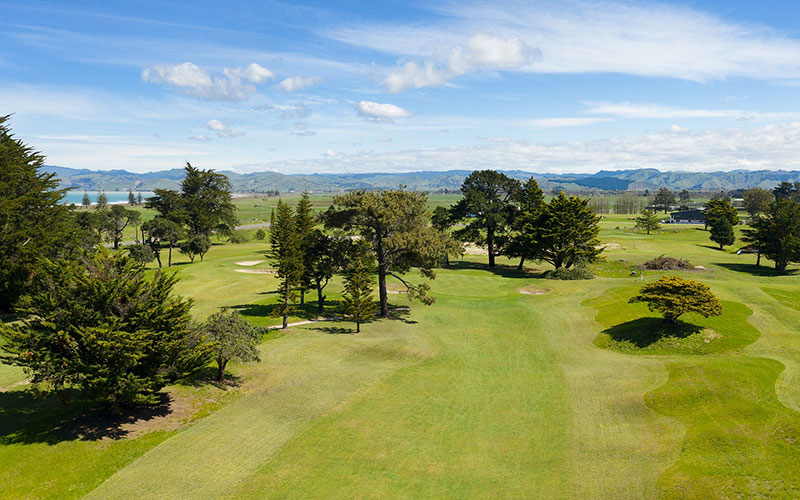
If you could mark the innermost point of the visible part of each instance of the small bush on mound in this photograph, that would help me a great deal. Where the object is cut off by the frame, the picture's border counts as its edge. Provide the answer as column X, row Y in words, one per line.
column 261, row 234
column 663, row 263
column 577, row 272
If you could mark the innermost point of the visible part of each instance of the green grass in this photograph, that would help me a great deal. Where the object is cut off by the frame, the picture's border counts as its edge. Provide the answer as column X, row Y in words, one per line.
column 631, row 328
column 488, row 393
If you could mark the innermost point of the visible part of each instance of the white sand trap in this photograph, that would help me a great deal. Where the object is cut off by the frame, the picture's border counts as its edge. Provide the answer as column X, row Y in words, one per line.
column 473, row 249
column 255, row 271
column 249, row 262
column 609, row 246
column 533, row 290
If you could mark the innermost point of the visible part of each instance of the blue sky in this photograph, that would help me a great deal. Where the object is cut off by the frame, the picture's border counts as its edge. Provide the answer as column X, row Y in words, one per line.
column 573, row 86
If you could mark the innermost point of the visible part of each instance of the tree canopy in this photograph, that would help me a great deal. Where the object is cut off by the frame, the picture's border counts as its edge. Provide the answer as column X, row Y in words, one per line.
column 777, row 233
column 396, row 225
column 664, row 199
column 757, row 200
column 33, row 219
column 564, row 232
column 648, row 221
column 673, row 296
column 102, row 325
column 487, row 209
column 230, row 337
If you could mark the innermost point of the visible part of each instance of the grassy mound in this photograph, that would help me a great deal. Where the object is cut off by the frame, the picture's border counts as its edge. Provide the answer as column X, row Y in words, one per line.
column 741, row 442
column 631, row 328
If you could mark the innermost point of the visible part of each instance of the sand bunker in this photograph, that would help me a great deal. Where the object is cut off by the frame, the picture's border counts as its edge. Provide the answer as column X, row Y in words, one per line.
column 395, row 288
column 609, row 246
column 255, row 271
column 533, row 290
column 249, row 262
column 473, row 249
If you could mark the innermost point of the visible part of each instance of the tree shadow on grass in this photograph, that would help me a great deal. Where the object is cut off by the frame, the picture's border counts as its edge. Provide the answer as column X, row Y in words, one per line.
column 336, row 330
column 308, row 310
column 643, row 332
column 755, row 270
column 712, row 247
column 207, row 376
column 26, row 418
column 506, row 271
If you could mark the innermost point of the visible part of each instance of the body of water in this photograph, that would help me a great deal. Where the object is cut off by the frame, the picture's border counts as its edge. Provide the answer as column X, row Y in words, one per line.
column 75, row 196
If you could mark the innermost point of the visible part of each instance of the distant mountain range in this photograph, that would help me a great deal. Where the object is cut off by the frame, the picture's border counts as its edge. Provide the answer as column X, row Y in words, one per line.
column 607, row 180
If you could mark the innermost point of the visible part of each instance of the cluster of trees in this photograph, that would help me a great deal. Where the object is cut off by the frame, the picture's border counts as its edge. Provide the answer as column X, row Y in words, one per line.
column 187, row 219
column 88, row 318
column 511, row 218
column 387, row 232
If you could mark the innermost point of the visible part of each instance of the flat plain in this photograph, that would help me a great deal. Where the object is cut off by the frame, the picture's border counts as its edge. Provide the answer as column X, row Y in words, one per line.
column 488, row 393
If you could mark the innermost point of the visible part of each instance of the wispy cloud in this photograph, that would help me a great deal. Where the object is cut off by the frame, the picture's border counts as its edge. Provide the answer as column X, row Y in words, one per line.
column 657, row 111
column 577, row 121
column 579, row 36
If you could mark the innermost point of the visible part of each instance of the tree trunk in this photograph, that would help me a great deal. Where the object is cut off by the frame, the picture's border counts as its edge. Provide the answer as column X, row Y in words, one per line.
column 758, row 259
column 358, row 326
column 169, row 262
column 490, row 245
column 320, row 298
column 221, row 364
column 521, row 265
column 158, row 257
column 302, row 296
column 383, row 268
column 285, row 321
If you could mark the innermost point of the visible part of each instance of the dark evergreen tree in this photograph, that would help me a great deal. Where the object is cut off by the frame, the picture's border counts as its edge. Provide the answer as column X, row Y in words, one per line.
column 207, row 203
column 777, row 232
column 103, row 326
column 565, row 232
column 288, row 258
column 102, row 201
column 530, row 201
column 358, row 305
column 131, row 199
column 304, row 218
column 86, row 202
column 722, row 232
column 664, row 199
column 34, row 221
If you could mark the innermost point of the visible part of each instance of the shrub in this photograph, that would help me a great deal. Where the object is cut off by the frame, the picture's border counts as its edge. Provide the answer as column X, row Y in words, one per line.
column 673, row 296
column 261, row 234
column 239, row 237
column 577, row 272
column 663, row 263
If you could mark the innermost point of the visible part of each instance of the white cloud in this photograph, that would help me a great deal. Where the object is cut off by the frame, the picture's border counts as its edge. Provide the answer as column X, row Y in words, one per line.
column 222, row 130
column 481, row 52
column 594, row 36
column 236, row 84
column 383, row 139
column 656, row 111
column 294, row 83
column 677, row 129
column 329, row 153
column 381, row 111
column 199, row 138
column 771, row 147
column 577, row 121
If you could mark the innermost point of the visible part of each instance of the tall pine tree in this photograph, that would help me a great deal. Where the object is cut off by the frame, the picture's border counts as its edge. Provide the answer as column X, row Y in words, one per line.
column 288, row 257
column 358, row 304
column 304, row 218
